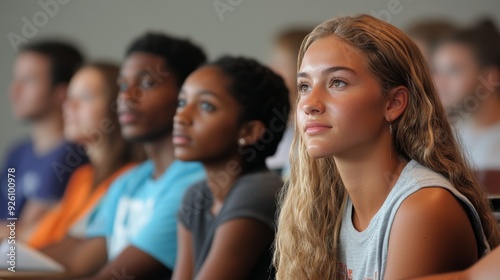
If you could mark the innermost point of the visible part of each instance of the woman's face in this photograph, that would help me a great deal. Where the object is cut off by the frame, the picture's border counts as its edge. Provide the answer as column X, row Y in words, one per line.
column 456, row 73
column 87, row 108
column 206, row 123
column 341, row 106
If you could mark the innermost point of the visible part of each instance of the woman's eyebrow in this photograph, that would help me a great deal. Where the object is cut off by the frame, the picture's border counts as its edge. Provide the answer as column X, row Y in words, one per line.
column 327, row 71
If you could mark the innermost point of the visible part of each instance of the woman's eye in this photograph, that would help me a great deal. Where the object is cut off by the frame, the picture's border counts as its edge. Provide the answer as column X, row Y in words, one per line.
column 303, row 87
column 454, row 71
column 205, row 106
column 181, row 103
column 122, row 87
column 338, row 83
column 87, row 97
column 148, row 83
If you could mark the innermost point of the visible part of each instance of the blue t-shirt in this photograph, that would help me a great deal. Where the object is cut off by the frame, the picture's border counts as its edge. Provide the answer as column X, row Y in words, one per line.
column 38, row 177
column 141, row 211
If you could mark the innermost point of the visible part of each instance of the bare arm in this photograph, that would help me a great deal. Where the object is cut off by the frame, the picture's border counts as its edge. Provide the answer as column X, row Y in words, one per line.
column 237, row 246
column 32, row 213
column 486, row 269
column 80, row 257
column 88, row 258
column 133, row 263
column 430, row 234
column 185, row 255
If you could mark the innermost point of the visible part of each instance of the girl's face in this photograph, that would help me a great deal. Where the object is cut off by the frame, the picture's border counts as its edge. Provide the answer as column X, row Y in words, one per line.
column 206, row 123
column 341, row 106
column 87, row 108
column 455, row 73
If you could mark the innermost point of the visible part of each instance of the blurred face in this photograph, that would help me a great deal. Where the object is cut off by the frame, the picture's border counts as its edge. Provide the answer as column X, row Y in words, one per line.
column 31, row 88
column 455, row 73
column 341, row 107
column 87, row 108
column 148, row 98
column 206, row 124
column 285, row 64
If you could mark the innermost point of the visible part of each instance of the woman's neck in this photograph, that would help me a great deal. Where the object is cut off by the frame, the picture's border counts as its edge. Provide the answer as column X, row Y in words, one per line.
column 221, row 177
column 368, row 181
column 47, row 133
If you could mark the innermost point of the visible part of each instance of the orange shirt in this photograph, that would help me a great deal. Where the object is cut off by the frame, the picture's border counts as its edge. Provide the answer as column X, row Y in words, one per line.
column 78, row 200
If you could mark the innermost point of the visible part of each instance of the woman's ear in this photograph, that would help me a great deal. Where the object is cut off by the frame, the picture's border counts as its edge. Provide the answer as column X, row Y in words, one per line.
column 252, row 131
column 397, row 100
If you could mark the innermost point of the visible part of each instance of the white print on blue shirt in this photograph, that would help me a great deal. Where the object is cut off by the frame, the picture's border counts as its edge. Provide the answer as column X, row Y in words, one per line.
column 131, row 216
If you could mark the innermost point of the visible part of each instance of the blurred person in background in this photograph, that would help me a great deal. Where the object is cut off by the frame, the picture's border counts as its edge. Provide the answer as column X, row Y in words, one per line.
column 467, row 75
column 43, row 163
column 226, row 224
column 133, row 230
column 90, row 119
column 284, row 63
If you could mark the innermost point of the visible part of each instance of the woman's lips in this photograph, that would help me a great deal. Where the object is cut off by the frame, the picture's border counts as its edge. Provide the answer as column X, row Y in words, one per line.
column 315, row 128
column 180, row 139
column 126, row 118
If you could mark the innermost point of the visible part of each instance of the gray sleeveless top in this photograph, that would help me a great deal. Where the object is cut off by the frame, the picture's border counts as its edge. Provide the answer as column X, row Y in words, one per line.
column 363, row 255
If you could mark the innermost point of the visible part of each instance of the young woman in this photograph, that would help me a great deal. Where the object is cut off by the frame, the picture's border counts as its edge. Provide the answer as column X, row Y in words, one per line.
column 90, row 120
column 231, row 116
column 378, row 187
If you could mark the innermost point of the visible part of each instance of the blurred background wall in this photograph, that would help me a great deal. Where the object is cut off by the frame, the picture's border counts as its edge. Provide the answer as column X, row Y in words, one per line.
column 103, row 29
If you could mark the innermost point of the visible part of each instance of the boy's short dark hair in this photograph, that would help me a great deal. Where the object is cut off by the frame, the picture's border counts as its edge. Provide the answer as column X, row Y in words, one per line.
column 181, row 56
column 65, row 59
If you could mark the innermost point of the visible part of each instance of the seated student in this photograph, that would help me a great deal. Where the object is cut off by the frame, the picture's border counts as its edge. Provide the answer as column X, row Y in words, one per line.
column 133, row 230
column 486, row 269
column 43, row 163
column 224, row 119
column 379, row 188
column 284, row 62
column 89, row 120
column 467, row 75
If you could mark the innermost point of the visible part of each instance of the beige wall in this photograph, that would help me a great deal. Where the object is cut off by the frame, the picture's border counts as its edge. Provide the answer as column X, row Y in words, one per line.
column 104, row 28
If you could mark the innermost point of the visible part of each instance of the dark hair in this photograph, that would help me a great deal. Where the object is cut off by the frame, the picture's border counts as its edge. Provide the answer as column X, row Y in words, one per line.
column 484, row 41
column 65, row 59
column 431, row 31
column 181, row 56
column 263, row 96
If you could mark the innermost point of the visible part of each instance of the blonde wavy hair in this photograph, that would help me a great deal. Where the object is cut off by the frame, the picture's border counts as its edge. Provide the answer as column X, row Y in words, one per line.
column 313, row 201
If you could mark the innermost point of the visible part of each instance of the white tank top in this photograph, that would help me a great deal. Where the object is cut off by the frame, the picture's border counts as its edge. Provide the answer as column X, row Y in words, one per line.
column 363, row 255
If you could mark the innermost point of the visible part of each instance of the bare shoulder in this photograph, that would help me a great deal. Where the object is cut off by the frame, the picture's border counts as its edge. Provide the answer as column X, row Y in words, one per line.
column 430, row 204
column 431, row 233
column 433, row 211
